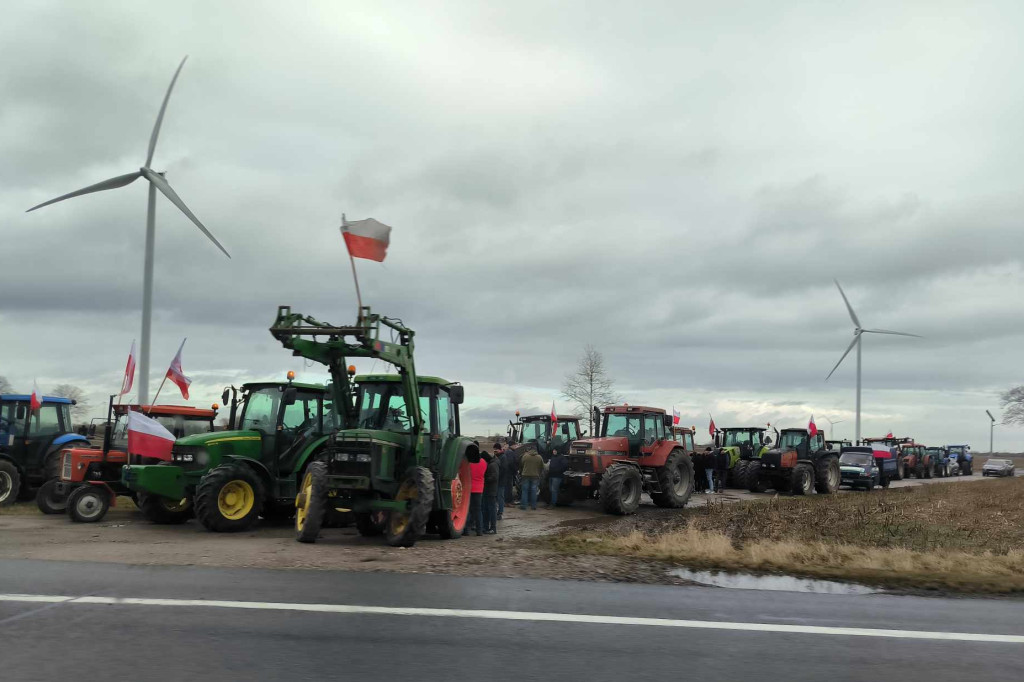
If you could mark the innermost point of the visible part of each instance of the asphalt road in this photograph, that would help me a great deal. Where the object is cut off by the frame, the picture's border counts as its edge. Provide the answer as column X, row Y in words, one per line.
column 287, row 625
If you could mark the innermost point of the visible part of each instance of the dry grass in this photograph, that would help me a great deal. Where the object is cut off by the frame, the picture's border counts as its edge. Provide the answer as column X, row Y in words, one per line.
column 967, row 537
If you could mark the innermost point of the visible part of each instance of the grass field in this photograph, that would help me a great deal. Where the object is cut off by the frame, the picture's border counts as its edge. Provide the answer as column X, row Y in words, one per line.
column 967, row 537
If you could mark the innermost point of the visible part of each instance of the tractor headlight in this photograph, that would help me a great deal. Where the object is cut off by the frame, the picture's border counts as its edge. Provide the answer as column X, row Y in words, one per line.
column 342, row 457
column 363, row 457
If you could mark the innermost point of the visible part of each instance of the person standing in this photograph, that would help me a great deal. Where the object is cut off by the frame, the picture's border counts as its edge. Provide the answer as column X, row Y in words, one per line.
column 709, row 469
column 557, row 467
column 501, row 454
column 490, row 498
column 699, row 479
column 531, row 468
column 477, row 471
column 722, row 468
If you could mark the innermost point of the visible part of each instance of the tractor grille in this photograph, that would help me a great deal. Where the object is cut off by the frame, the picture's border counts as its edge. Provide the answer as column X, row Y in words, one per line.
column 581, row 463
column 65, row 466
column 350, row 458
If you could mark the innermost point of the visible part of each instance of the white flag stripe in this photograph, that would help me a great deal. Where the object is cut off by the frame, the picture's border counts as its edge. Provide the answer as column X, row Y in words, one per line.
column 140, row 423
column 369, row 228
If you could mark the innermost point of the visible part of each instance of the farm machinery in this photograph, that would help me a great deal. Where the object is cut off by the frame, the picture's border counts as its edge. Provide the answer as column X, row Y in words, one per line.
column 228, row 479
column 398, row 461
column 634, row 453
column 941, row 464
column 30, row 443
column 90, row 478
column 894, row 446
column 919, row 460
column 743, row 445
column 533, row 433
column 963, row 457
column 799, row 463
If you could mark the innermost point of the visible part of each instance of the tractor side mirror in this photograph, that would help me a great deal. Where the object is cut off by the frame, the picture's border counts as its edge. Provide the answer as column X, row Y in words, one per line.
column 668, row 421
column 768, row 440
column 457, row 394
column 224, row 396
column 20, row 412
column 290, row 395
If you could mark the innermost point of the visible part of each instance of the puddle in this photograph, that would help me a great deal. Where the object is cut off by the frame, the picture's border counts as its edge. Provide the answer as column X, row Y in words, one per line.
column 782, row 583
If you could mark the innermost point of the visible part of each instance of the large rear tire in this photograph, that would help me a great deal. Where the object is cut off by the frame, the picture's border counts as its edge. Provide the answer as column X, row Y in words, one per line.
column 311, row 503
column 827, row 475
column 621, row 486
column 927, row 470
column 675, row 480
column 48, row 501
column 755, row 482
column 10, row 483
column 163, row 510
column 404, row 528
column 901, row 470
column 88, row 503
column 803, row 479
column 229, row 499
column 451, row 522
column 741, row 473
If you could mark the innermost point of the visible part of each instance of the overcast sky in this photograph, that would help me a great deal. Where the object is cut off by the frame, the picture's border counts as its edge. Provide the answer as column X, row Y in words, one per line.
column 674, row 183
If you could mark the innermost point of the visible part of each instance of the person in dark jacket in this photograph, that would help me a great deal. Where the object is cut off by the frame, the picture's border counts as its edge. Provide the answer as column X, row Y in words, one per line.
column 721, row 468
column 557, row 467
column 500, row 455
column 490, row 499
column 699, row 480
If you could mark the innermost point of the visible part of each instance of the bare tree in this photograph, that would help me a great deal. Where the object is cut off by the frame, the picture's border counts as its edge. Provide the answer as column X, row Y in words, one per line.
column 80, row 410
column 5, row 385
column 1013, row 405
column 589, row 385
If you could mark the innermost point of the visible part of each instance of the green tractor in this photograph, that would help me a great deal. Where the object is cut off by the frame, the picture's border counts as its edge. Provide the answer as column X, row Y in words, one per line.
column 398, row 462
column 228, row 479
column 743, row 444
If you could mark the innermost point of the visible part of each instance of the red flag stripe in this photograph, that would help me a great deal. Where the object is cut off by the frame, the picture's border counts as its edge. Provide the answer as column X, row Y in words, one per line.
column 366, row 247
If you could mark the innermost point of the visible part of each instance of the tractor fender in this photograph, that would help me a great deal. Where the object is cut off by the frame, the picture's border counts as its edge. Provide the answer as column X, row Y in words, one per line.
column 6, row 458
column 61, row 441
column 307, row 455
column 449, row 466
column 630, row 462
column 261, row 470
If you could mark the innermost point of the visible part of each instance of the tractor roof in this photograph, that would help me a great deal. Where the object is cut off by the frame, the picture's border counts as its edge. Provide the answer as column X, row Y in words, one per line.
column 631, row 409
column 397, row 378
column 186, row 411
column 547, row 417
column 743, row 428
column 24, row 398
column 256, row 385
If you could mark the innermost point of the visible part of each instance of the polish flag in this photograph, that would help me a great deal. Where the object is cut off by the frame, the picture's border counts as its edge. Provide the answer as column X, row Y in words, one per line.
column 367, row 239
column 711, row 427
column 675, row 416
column 554, row 420
column 129, row 372
column 36, row 401
column 812, row 428
column 148, row 438
column 889, row 435
column 175, row 373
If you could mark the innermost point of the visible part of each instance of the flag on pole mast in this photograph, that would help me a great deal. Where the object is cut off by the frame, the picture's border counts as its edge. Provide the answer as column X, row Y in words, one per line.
column 129, row 372
column 554, row 419
column 711, row 427
column 177, row 375
column 675, row 416
column 36, row 401
column 148, row 437
column 812, row 428
column 367, row 239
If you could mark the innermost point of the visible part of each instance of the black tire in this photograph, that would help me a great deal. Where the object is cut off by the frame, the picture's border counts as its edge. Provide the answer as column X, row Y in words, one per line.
column 48, row 501
column 928, row 470
column 827, row 475
column 675, row 480
column 755, row 482
column 741, row 473
column 803, row 479
column 88, row 503
column 901, row 470
column 621, row 487
column 10, row 483
column 311, row 503
column 371, row 524
column 970, row 469
column 229, row 499
column 404, row 529
column 164, row 511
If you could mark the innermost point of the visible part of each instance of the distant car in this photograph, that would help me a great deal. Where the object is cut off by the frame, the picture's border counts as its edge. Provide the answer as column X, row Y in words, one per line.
column 998, row 467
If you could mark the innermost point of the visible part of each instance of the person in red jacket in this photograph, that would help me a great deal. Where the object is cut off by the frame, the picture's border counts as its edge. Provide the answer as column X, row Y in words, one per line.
column 477, row 470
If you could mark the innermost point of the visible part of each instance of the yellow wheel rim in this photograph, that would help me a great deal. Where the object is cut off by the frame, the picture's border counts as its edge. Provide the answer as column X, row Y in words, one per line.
column 400, row 520
column 302, row 502
column 236, row 500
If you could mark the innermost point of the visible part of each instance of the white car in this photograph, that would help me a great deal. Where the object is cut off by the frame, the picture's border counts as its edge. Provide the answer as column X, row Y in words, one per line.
column 998, row 467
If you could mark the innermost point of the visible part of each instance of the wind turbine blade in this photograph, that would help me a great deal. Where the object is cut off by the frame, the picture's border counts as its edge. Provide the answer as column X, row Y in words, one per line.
column 853, row 315
column 848, row 349
column 112, row 183
column 160, row 116
column 886, row 331
column 162, row 185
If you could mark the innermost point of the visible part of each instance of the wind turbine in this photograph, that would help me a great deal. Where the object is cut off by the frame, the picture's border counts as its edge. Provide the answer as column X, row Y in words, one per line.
column 156, row 182
column 857, row 332
column 832, row 428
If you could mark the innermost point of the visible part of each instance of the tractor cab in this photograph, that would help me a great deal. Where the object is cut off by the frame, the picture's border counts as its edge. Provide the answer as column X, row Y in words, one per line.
column 962, row 455
column 30, row 442
column 684, row 436
column 535, row 430
column 626, row 432
column 742, row 444
column 837, row 445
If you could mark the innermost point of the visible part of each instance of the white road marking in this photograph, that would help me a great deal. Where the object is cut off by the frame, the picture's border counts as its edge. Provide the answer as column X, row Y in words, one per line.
column 519, row 615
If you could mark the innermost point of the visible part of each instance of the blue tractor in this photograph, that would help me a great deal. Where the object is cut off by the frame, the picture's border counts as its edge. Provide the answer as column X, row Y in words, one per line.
column 30, row 443
column 962, row 455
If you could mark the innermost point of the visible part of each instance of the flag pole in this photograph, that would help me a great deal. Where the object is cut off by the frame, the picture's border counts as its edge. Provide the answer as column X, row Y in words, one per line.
column 359, row 297
column 157, row 394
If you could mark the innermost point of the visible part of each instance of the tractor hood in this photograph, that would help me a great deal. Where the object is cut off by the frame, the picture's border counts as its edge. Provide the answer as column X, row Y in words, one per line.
column 601, row 446
column 217, row 437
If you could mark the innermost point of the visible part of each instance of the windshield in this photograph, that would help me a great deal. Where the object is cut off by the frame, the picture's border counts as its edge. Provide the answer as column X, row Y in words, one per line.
column 261, row 409
column 382, row 406
column 936, row 452
column 956, row 450
column 742, row 437
column 792, row 439
column 622, row 425
column 535, row 430
column 997, row 462
column 859, row 459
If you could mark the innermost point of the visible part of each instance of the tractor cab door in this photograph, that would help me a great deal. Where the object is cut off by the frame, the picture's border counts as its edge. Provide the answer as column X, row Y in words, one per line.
column 300, row 422
column 653, row 433
column 568, row 431
column 442, row 419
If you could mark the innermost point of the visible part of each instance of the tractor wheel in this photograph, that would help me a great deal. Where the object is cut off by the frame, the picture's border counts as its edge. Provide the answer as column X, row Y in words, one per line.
column 621, row 486
column 10, row 483
column 163, row 510
column 229, row 499
column 404, row 528
column 88, row 503
column 48, row 501
column 901, row 470
column 675, row 480
column 827, row 475
column 450, row 523
column 870, row 486
column 928, row 470
column 803, row 479
column 741, row 473
column 968, row 472
column 371, row 524
column 311, row 503
column 755, row 483
column 885, row 481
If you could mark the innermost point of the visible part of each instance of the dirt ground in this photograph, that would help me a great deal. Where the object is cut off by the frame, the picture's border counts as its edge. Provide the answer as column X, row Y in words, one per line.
column 124, row 536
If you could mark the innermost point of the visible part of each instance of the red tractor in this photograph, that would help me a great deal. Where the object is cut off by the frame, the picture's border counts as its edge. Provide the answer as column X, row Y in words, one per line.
column 636, row 453
column 90, row 478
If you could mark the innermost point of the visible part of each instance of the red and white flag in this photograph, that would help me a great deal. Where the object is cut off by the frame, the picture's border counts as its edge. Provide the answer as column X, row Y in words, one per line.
column 711, row 427
column 889, row 435
column 367, row 239
column 129, row 372
column 177, row 375
column 554, row 420
column 675, row 416
column 148, row 437
column 36, row 401
column 812, row 428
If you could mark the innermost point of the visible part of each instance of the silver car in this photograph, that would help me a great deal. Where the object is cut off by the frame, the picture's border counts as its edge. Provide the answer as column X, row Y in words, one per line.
column 998, row 467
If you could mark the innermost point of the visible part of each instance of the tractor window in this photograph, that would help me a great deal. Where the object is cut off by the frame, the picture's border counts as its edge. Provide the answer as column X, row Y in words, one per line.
column 736, row 438
column 47, row 420
column 688, row 442
column 445, row 417
column 535, row 430
column 654, row 427
column 382, row 406
column 755, row 439
column 330, row 418
column 622, row 425
column 301, row 414
column 792, row 439
column 260, row 412
column 396, row 417
column 569, row 430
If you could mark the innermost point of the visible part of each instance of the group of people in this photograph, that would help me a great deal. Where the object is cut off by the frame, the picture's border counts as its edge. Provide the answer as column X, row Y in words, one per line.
column 710, row 470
